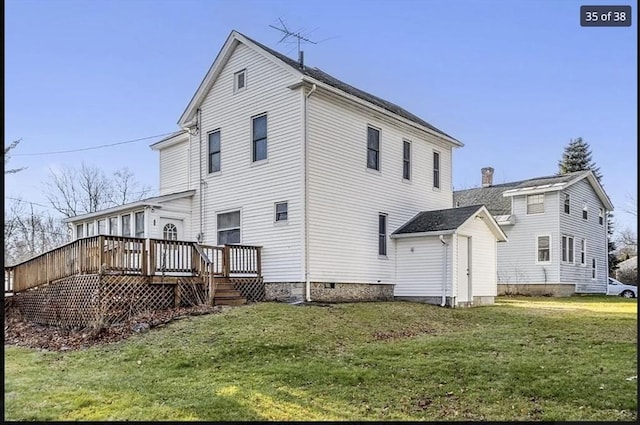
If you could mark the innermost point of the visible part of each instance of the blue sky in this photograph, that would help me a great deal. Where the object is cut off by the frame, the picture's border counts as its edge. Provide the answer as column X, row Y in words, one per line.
column 513, row 80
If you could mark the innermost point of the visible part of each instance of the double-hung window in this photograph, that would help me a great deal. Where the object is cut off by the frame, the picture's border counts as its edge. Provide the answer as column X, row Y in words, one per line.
column 567, row 249
column 259, row 138
column 214, row 151
column 373, row 148
column 139, row 218
column 228, row 225
column 282, row 211
column 544, row 249
column 535, row 204
column 406, row 160
column 382, row 234
column 436, row 170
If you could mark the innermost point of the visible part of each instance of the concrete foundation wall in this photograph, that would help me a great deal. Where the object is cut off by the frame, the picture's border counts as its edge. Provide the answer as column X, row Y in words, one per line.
column 552, row 289
column 477, row 301
column 328, row 292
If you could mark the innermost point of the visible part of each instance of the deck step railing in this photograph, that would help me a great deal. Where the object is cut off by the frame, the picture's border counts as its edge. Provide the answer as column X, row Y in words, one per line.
column 127, row 255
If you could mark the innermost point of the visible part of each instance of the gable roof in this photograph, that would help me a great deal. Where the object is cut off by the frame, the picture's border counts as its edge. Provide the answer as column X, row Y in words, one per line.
column 154, row 201
column 313, row 75
column 448, row 221
column 497, row 197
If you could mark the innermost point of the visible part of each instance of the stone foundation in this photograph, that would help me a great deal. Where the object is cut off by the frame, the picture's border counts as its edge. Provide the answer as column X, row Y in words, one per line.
column 328, row 292
column 544, row 290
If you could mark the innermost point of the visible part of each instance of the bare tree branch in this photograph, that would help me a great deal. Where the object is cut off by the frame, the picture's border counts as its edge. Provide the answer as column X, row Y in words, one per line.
column 7, row 149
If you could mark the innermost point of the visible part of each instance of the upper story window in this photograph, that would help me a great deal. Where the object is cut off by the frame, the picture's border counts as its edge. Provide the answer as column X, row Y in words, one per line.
column 79, row 231
column 436, row 170
column 406, row 160
column 535, row 204
column 584, row 211
column 126, row 225
column 544, row 249
column 139, row 217
column 240, row 80
column 282, row 211
column 214, row 151
column 113, row 225
column 382, row 234
column 259, row 138
column 601, row 216
column 566, row 203
column 567, row 249
column 373, row 148
column 228, row 228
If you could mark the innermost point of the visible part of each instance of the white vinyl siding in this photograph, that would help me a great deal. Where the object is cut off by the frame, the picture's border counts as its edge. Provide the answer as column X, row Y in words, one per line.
column 174, row 166
column 347, row 250
column 241, row 184
column 421, row 269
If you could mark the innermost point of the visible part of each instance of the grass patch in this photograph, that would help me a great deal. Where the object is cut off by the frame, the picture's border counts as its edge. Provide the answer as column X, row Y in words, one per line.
column 555, row 359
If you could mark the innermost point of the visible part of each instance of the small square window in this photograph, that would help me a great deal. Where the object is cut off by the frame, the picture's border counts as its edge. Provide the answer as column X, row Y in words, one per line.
column 282, row 211
column 240, row 80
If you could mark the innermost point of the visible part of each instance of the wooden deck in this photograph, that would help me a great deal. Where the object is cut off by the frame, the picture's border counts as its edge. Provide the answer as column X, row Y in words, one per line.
column 117, row 255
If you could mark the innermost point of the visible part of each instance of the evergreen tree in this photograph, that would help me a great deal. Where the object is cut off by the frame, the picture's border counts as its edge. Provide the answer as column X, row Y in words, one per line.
column 577, row 157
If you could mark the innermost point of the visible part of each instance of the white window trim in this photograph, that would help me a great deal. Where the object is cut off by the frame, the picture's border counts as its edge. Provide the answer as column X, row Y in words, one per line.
column 237, row 89
column 214, row 173
column 573, row 240
column 386, row 236
column 366, row 164
column 537, row 249
column 410, row 161
column 585, row 252
column 433, row 186
column 251, row 142
column 526, row 204
column 275, row 213
column 226, row 211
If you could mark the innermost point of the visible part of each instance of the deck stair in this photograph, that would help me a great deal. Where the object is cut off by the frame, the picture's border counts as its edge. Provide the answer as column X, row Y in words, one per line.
column 227, row 294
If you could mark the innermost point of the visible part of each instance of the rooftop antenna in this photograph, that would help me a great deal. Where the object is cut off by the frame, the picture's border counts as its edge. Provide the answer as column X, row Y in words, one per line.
column 296, row 35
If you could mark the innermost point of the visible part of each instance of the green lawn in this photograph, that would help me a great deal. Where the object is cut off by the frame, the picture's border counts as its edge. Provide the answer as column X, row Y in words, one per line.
column 521, row 359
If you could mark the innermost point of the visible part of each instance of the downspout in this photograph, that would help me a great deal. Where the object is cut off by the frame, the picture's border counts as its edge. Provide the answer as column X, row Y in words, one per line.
column 200, row 237
column 444, row 272
column 306, row 199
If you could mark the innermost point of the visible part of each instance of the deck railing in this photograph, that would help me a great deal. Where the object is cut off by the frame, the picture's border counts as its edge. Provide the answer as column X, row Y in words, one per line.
column 127, row 255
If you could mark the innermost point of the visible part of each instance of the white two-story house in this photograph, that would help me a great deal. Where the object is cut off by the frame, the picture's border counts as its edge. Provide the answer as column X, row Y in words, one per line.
column 319, row 173
column 557, row 231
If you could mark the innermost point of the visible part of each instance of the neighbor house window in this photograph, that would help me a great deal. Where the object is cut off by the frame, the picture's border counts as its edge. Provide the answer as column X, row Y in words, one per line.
column 584, row 211
column 282, row 209
column 79, row 231
column 240, row 80
column 170, row 232
column 436, row 170
column 373, row 148
column 382, row 234
column 583, row 251
column 113, row 225
column 126, row 225
column 228, row 228
column 214, row 151
column 102, row 227
column 406, row 160
column 544, row 249
column 567, row 249
column 566, row 203
column 535, row 204
column 91, row 230
column 259, row 136
column 593, row 268
column 139, row 217
column 601, row 216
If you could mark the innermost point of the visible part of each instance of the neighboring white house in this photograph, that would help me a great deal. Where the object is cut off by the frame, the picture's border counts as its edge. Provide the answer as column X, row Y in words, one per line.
column 281, row 155
column 557, row 230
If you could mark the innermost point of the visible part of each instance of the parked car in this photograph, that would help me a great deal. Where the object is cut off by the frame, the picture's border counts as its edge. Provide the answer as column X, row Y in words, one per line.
column 618, row 288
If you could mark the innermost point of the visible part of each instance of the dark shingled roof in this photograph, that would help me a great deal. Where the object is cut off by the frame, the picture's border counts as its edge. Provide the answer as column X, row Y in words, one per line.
column 334, row 82
column 439, row 220
column 492, row 197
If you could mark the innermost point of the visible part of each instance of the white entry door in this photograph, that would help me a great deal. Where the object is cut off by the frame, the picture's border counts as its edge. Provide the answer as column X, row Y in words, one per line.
column 464, row 269
column 171, row 229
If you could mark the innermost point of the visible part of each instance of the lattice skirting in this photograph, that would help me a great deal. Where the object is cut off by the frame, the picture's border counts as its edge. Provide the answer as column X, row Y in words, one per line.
column 96, row 300
column 252, row 288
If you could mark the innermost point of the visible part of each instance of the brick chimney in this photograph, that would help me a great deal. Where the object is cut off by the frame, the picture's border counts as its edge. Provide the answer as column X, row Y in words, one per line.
column 487, row 176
